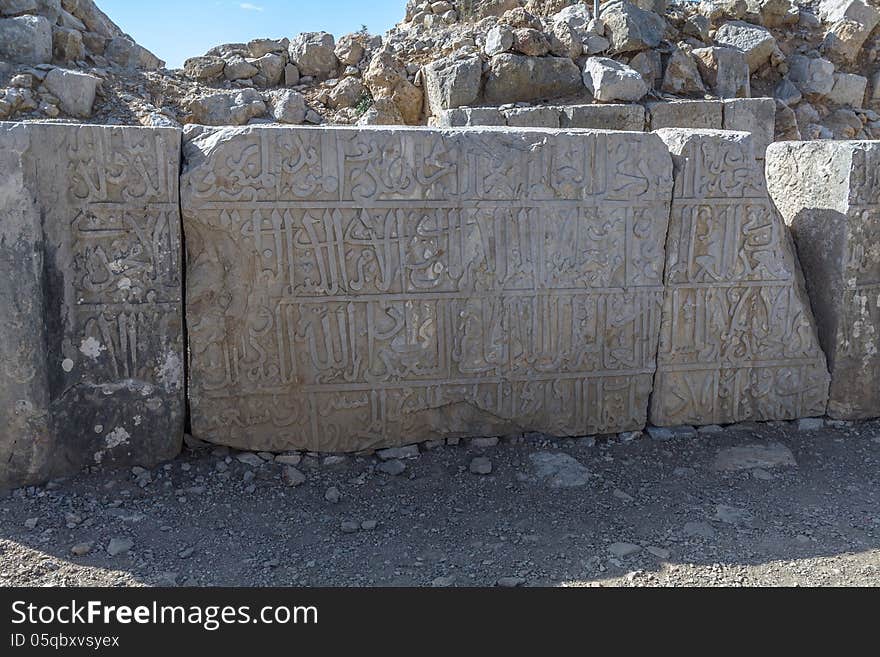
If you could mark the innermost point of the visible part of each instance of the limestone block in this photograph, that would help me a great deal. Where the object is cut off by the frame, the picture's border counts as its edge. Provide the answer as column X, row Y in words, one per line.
column 363, row 288
column 451, row 83
column 829, row 194
column 468, row 116
column 604, row 117
column 686, row 114
column 755, row 41
column 756, row 116
column 513, row 78
column 738, row 341
column 533, row 117
column 90, row 292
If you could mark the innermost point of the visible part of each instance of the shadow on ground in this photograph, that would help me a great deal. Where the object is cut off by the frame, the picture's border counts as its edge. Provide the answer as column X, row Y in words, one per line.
column 649, row 513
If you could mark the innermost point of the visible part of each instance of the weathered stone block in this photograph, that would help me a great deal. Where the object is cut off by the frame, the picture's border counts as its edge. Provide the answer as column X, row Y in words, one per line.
column 705, row 114
column 468, row 116
column 757, row 116
column 533, row 117
column 352, row 289
column 90, row 287
column 738, row 341
column 829, row 194
column 604, row 117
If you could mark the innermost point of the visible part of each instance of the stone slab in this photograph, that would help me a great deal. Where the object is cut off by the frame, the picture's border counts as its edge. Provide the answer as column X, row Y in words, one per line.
column 90, row 285
column 757, row 116
column 604, row 117
column 352, row 289
column 829, row 194
column 701, row 114
column 738, row 341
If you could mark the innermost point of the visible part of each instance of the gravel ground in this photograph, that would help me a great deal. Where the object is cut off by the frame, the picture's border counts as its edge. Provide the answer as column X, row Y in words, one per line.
column 752, row 505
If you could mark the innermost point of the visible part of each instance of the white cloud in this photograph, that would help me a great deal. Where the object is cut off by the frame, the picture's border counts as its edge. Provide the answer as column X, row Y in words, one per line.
column 247, row 6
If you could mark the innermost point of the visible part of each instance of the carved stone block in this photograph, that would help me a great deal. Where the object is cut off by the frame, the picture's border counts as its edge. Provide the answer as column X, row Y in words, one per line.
column 738, row 341
column 829, row 194
column 352, row 289
column 90, row 288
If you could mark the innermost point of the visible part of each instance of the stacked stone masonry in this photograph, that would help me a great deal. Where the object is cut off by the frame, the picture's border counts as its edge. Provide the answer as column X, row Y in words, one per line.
column 828, row 193
column 91, row 328
column 753, row 115
column 353, row 288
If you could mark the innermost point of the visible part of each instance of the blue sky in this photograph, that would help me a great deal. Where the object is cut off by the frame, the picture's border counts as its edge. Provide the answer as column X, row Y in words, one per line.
column 178, row 29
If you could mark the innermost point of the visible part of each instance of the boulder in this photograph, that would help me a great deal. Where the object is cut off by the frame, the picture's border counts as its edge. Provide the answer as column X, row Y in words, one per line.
column 530, row 42
column 682, row 77
column 849, row 89
column 93, row 18
column 811, row 75
column 256, row 48
column 786, row 125
column 347, row 93
column 271, row 66
column 18, row 7
column 314, row 54
column 228, row 108
column 349, row 49
column 630, row 28
column 386, row 78
column 609, row 80
column 67, row 45
column 564, row 41
column 852, row 21
column 724, row 70
column 204, row 68
column 75, row 91
column 650, row 65
column 287, row 106
column 512, row 78
column 451, row 83
column 26, row 40
column 124, row 52
column 238, row 68
column 382, row 112
column 498, row 40
column 755, row 41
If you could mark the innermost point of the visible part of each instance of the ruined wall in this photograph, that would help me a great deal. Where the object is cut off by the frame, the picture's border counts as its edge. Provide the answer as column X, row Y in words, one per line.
column 349, row 289
column 829, row 193
column 91, row 333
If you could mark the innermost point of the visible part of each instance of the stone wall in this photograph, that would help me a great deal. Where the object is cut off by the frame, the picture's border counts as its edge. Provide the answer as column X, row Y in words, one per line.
column 351, row 288
column 91, row 331
column 828, row 193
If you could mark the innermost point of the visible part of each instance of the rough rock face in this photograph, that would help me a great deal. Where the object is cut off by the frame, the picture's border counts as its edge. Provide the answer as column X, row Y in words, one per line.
column 609, row 80
column 314, row 53
column 354, row 289
column 90, row 287
column 514, row 78
column 738, row 341
column 26, row 39
column 828, row 193
column 228, row 108
column 451, row 83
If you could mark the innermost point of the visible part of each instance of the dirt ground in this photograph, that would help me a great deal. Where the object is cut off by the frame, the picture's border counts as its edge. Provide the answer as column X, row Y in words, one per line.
column 732, row 508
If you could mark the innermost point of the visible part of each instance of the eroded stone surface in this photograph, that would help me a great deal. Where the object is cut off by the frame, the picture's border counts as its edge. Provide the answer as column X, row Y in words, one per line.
column 738, row 340
column 90, row 287
column 828, row 193
column 350, row 289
